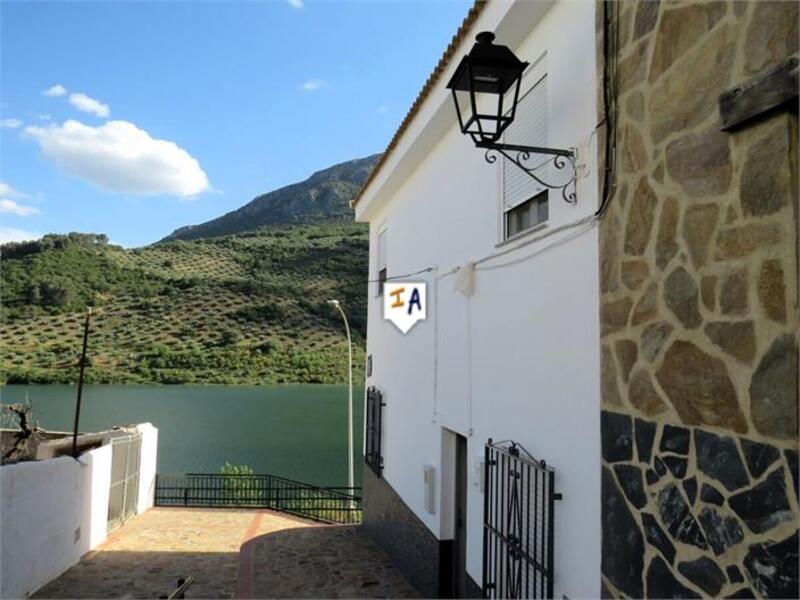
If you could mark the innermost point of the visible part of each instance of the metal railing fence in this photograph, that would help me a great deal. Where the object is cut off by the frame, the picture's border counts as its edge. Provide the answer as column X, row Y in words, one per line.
column 202, row 490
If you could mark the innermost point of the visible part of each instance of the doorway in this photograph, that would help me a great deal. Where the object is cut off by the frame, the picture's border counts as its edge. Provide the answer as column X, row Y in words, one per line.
column 454, row 513
column 460, row 511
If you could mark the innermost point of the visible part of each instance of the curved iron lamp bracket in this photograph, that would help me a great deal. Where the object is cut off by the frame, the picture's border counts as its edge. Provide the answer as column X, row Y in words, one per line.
column 562, row 160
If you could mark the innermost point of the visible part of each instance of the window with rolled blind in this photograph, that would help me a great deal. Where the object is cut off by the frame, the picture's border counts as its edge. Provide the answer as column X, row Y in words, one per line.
column 523, row 195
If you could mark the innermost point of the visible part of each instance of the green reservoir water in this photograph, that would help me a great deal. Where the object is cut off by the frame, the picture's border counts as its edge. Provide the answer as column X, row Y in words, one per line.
column 294, row 431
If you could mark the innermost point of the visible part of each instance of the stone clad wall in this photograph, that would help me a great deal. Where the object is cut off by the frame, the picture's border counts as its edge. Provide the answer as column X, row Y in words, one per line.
column 699, row 310
column 413, row 548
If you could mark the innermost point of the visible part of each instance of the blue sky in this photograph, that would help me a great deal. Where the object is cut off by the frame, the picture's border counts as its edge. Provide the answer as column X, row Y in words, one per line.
column 135, row 118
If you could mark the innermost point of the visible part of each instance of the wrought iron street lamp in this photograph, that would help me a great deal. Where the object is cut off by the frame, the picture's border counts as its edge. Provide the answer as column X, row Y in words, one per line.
column 337, row 305
column 485, row 88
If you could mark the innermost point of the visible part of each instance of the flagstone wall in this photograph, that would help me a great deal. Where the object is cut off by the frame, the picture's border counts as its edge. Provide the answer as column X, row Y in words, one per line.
column 699, row 310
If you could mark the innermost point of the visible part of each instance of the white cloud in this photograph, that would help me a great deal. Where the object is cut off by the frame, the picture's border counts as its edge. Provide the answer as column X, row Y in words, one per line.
column 313, row 85
column 89, row 105
column 295, row 3
column 117, row 156
column 56, row 90
column 10, row 123
column 10, row 234
column 9, row 192
column 11, row 207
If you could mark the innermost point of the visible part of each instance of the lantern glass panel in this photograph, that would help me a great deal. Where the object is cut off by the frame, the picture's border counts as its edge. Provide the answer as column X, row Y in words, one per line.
column 488, row 115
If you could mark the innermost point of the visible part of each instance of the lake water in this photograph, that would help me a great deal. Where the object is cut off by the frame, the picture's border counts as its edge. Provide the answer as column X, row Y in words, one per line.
column 294, row 431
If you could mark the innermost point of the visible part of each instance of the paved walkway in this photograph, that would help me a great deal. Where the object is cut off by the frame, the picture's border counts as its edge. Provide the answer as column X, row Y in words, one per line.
column 334, row 561
column 231, row 553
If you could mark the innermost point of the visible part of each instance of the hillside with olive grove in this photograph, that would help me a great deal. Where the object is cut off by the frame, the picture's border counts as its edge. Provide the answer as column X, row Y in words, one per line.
column 246, row 308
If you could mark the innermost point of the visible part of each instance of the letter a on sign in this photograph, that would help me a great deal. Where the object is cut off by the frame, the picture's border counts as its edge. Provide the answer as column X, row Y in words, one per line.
column 404, row 304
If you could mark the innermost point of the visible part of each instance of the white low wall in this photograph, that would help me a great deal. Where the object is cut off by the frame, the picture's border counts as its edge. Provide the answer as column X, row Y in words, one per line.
column 54, row 511
column 147, row 467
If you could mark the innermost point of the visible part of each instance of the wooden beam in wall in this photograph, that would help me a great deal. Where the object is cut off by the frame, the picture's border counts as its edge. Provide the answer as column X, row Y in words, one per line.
column 764, row 93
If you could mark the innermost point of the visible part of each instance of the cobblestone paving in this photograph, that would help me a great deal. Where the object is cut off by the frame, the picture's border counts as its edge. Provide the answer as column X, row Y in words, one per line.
column 145, row 557
column 335, row 561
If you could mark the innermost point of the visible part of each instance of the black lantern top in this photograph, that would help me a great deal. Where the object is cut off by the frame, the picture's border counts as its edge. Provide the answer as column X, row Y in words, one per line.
column 490, row 70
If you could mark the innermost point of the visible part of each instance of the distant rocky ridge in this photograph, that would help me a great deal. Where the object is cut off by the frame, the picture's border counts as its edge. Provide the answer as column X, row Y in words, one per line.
column 323, row 197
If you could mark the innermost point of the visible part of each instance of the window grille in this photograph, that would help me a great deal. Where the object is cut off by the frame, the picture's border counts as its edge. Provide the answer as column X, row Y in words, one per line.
column 374, row 431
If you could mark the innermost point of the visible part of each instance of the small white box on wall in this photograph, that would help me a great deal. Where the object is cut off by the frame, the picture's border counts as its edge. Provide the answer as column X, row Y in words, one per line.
column 430, row 488
column 479, row 472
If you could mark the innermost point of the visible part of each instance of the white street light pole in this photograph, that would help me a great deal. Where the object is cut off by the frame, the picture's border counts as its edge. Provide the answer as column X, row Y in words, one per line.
column 337, row 305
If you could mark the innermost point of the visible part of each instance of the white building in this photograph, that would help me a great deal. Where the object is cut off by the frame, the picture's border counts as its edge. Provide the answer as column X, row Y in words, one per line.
column 509, row 352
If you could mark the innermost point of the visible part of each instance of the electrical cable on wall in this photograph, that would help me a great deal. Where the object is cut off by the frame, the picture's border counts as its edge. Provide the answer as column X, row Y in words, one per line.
column 435, row 416
column 469, row 364
column 589, row 223
column 610, row 106
column 589, row 219
column 392, row 278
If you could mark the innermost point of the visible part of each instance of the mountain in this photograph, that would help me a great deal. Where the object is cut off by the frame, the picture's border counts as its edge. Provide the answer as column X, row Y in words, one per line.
column 323, row 197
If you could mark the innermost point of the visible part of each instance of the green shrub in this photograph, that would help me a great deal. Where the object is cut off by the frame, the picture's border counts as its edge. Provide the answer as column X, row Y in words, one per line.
column 268, row 311
column 56, row 293
column 267, row 347
column 239, row 487
column 229, row 337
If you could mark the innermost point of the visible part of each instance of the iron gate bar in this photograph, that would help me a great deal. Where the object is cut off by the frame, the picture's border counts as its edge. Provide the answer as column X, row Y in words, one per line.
column 514, row 565
column 527, row 559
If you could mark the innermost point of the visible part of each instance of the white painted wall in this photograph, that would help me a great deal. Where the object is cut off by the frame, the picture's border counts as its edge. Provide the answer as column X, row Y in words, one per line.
column 96, row 484
column 54, row 511
column 147, row 467
column 519, row 359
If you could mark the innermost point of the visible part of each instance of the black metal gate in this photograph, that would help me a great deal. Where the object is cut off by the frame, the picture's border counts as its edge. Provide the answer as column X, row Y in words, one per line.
column 124, row 491
column 518, row 506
